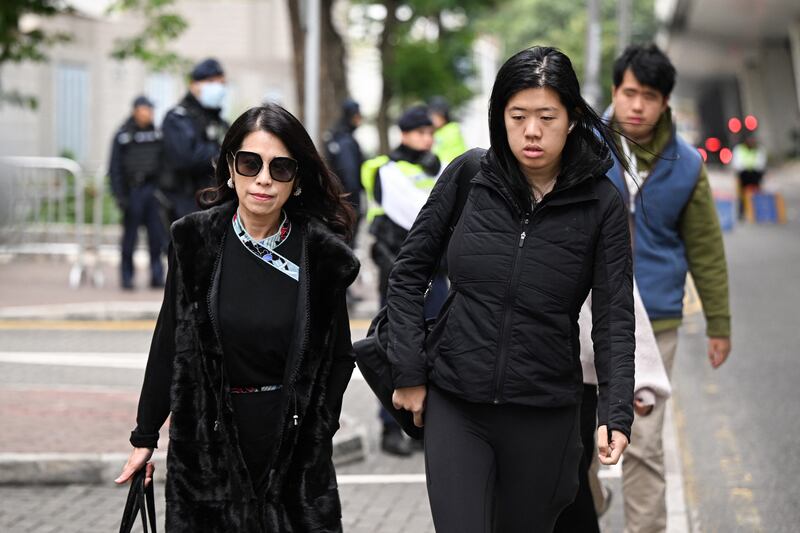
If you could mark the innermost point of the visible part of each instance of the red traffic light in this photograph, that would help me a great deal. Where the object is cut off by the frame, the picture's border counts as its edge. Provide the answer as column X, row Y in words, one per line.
column 703, row 153
column 725, row 156
column 713, row 144
column 735, row 125
column 750, row 122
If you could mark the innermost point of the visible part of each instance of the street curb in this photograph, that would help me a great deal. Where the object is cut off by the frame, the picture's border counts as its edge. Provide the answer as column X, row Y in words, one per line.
column 108, row 310
column 103, row 468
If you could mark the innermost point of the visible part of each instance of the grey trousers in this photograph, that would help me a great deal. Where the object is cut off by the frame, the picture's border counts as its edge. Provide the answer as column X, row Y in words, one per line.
column 643, row 480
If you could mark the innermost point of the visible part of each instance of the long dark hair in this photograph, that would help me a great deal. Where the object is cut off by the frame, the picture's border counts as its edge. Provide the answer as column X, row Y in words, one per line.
column 538, row 67
column 322, row 197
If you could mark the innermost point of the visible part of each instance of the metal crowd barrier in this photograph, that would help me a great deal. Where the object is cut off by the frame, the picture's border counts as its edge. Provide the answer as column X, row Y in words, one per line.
column 42, row 210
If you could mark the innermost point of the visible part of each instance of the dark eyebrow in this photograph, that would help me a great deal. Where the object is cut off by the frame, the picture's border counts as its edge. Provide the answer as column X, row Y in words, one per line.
column 538, row 109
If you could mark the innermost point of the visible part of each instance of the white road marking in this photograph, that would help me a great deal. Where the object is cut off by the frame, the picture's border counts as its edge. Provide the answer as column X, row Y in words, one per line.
column 127, row 360
column 379, row 479
column 121, row 360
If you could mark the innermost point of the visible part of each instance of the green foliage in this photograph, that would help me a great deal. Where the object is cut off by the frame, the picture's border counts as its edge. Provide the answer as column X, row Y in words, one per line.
column 151, row 45
column 432, row 49
column 423, row 69
column 563, row 24
column 23, row 44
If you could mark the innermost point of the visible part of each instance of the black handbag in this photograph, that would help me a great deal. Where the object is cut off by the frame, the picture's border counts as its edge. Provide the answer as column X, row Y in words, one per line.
column 371, row 356
column 141, row 501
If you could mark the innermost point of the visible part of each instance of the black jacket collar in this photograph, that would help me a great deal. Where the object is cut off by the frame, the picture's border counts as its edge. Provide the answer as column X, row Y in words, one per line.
column 575, row 183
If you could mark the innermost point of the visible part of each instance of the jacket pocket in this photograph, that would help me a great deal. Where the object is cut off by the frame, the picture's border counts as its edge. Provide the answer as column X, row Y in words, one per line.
column 439, row 333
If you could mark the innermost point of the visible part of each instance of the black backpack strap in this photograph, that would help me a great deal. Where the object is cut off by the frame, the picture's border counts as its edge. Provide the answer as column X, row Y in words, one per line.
column 468, row 170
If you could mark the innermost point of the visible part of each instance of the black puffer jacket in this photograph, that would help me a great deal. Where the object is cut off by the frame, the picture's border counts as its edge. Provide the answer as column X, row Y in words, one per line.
column 508, row 332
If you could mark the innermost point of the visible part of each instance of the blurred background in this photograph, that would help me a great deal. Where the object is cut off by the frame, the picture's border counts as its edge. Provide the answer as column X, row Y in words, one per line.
column 73, row 345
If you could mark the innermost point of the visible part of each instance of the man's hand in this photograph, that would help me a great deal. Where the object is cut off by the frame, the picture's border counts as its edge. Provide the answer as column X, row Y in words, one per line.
column 609, row 453
column 718, row 350
column 411, row 399
column 641, row 408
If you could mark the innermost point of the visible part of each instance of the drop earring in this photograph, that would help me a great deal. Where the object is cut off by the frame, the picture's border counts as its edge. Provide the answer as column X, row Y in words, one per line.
column 230, row 183
column 298, row 191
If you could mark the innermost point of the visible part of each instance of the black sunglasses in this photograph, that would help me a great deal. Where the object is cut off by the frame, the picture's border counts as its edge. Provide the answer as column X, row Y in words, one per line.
column 249, row 164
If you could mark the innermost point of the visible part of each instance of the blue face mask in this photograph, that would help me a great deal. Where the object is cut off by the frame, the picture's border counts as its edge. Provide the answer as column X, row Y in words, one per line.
column 212, row 94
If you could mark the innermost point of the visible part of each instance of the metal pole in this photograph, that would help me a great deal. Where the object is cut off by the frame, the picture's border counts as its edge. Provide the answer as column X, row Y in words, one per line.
column 591, row 87
column 311, row 68
column 624, row 19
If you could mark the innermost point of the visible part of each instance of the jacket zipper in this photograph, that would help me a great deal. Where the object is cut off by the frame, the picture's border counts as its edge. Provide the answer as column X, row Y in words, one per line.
column 215, row 327
column 306, row 335
column 500, row 368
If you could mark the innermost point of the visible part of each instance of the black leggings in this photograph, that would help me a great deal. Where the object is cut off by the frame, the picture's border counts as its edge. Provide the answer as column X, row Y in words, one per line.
column 580, row 515
column 499, row 468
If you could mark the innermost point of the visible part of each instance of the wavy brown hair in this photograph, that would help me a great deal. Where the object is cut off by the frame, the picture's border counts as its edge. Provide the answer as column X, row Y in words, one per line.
column 323, row 196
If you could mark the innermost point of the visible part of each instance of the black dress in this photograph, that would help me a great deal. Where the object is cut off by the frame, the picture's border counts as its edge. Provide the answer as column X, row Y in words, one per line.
column 257, row 305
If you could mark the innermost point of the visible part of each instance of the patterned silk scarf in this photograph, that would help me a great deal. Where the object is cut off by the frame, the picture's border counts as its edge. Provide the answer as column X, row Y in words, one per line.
column 266, row 249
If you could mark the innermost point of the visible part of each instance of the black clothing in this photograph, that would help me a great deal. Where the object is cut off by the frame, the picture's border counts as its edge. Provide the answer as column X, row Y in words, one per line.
column 208, row 487
column 208, row 68
column 137, row 158
column 424, row 158
column 345, row 159
column 256, row 312
column 142, row 208
column 580, row 516
column 749, row 181
column 519, row 275
column 192, row 138
column 137, row 163
column 414, row 117
column 499, row 468
column 258, row 422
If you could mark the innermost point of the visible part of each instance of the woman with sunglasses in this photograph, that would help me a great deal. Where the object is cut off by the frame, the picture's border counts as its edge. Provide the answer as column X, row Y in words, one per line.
column 251, row 353
column 498, row 381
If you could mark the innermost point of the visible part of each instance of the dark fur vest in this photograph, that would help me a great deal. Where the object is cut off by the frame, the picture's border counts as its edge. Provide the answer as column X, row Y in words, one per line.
column 208, row 486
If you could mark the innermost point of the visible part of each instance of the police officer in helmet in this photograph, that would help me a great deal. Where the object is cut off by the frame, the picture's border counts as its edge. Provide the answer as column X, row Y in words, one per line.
column 193, row 131
column 398, row 185
column 136, row 166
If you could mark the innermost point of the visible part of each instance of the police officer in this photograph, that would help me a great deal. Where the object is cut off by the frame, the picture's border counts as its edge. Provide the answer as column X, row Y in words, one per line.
column 397, row 187
column 136, row 166
column 193, row 131
column 344, row 155
column 448, row 143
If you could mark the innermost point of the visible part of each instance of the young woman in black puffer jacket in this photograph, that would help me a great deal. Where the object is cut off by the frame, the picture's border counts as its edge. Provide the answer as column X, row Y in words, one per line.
column 498, row 380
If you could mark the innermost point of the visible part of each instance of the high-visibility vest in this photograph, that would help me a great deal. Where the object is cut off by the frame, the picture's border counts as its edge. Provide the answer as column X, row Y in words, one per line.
column 448, row 143
column 369, row 174
column 746, row 158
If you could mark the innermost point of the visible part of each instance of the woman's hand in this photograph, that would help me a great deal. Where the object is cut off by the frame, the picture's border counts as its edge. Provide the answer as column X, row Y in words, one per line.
column 411, row 399
column 137, row 460
column 610, row 452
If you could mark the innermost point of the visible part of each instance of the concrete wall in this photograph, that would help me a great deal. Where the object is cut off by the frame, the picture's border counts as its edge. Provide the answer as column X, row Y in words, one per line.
column 767, row 86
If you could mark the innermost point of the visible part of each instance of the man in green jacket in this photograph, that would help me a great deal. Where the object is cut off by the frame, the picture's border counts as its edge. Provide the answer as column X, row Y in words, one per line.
column 675, row 231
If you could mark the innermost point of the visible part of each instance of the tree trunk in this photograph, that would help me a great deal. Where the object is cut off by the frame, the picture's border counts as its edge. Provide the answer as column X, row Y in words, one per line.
column 298, row 44
column 333, row 88
column 333, row 78
column 386, row 48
